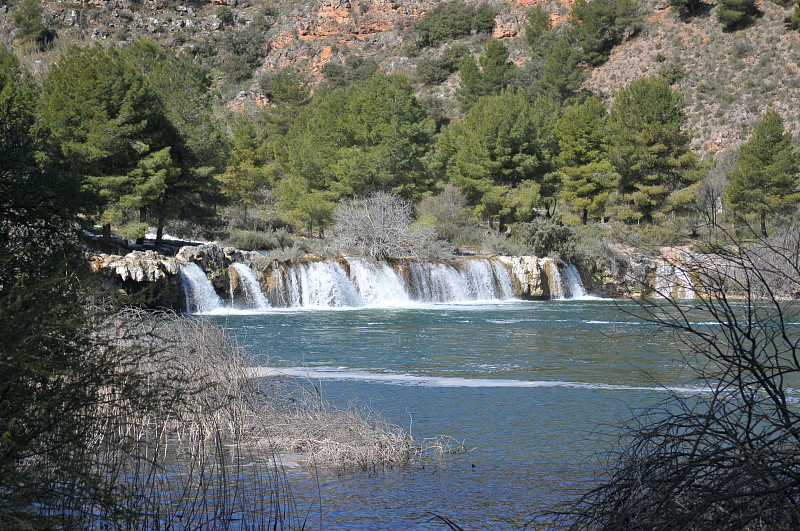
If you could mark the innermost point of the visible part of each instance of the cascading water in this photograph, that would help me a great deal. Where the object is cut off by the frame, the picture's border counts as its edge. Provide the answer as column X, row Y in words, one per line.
column 573, row 286
column 685, row 286
column 480, row 279
column 503, row 282
column 673, row 281
column 377, row 283
column 359, row 281
column 436, row 282
column 553, row 279
column 665, row 280
column 254, row 297
column 321, row 285
column 370, row 282
column 200, row 294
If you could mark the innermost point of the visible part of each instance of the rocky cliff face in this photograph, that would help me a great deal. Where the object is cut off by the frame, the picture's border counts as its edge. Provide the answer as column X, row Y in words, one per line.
column 149, row 279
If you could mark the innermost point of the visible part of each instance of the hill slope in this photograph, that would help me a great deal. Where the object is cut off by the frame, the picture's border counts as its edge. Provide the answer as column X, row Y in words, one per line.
column 728, row 79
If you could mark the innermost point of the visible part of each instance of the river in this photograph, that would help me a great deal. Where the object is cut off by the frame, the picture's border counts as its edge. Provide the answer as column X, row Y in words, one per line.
column 529, row 387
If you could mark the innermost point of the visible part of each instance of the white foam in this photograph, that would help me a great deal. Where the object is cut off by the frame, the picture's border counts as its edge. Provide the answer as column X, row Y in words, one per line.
column 343, row 374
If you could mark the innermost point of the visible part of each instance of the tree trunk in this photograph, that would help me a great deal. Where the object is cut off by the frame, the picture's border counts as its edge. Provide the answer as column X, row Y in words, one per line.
column 159, row 232
column 585, row 216
column 764, row 224
column 142, row 219
column 107, row 233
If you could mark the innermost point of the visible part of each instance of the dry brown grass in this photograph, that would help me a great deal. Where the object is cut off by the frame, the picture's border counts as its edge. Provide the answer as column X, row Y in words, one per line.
column 223, row 397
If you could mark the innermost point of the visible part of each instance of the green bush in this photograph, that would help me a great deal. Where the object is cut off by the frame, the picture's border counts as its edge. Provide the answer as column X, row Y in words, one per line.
column 736, row 14
column 225, row 14
column 254, row 240
column 538, row 24
column 436, row 70
column 600, row 25
column 672, row 72
column 453, row 20
column 27, row 19
column 545, row 238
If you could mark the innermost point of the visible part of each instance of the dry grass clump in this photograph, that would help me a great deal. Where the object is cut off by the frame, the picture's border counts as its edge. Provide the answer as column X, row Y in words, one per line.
column 224, row 397
column 204, row 451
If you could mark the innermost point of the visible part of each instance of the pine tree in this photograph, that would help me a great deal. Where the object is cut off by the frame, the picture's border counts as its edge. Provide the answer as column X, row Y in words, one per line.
column 537, row 24
column 736, row 14
column 765, row 181
column 586, row 173
column 648, row 147
column 498, row 148
column 495, row 74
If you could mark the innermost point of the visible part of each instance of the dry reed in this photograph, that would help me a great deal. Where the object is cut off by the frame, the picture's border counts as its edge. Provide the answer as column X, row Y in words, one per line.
column 206, row 450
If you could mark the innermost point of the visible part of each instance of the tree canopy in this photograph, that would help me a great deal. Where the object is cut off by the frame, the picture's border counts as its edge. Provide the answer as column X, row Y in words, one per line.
column 495, row 74
column 649, row 148
column 496, row 153
column 454, row 19
column 765, row 182
column 600, row 25
column 586, row 173
column 355, row 141
column 136, row 126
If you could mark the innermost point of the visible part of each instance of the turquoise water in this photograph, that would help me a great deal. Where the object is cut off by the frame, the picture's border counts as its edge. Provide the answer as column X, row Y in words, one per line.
column 529, row 387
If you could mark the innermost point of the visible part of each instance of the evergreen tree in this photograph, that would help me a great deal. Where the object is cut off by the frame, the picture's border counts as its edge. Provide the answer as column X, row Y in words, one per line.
column 600, row 25
column 355, row 142
column 495, row 74
column 452, row 20
column 765, row 181
column 537, row 24
column 686, row 7
column 249, row 173
column 104, row 118
column 27, row 18
column 648, row 147
column 736, row 14
column 561, row 75
column 38, row 208
column 198, row 147
column 137, row 127
column 496, row 156
column 56, row 370
column 586, row 172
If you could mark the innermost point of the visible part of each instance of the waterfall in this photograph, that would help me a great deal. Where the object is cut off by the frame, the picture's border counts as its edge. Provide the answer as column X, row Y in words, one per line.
column 673, row 281
column 573, row 286
column 377, row 283
column 665, row 279
column 504, row 284
column 553, row 279
column 322, row 285
column 200, row 294
column 252, row 290
column 480, row 279
column 360, row 281
column 685, row 286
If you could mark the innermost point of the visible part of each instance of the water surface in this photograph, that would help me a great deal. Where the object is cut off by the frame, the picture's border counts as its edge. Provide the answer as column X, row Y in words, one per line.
column 527, row 386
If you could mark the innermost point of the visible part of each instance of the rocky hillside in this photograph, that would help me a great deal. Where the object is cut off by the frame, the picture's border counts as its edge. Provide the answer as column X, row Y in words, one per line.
column 728, row 78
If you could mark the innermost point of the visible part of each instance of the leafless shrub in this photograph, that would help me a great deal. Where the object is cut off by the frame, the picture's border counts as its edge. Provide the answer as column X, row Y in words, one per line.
column 726, row 459
column 448, row 211
column 226, row 397
column 379, row 226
